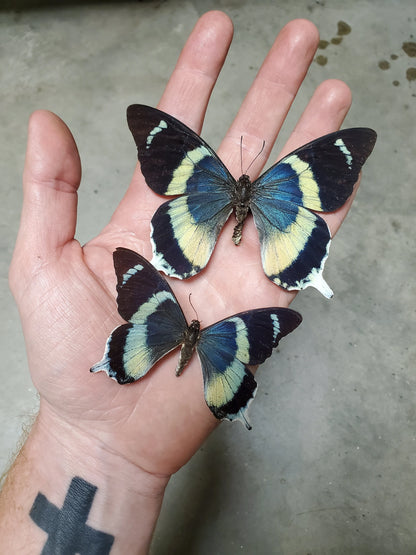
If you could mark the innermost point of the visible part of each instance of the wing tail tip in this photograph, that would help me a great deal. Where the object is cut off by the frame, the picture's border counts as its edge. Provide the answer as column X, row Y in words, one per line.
column 321, row 285
column 242, row 417
column 317, row 281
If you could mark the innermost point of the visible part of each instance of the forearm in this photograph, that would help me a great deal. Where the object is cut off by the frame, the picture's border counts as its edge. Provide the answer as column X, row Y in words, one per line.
column 64, row 491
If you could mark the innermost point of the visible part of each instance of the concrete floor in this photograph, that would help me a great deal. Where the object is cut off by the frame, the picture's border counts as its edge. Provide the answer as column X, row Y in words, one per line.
column 330, row 466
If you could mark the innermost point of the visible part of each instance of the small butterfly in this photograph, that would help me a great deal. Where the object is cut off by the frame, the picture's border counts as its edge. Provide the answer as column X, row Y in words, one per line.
column 156, row 325
column 294, row 241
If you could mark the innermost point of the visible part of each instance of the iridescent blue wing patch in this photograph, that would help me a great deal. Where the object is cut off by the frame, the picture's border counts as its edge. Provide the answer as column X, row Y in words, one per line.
column 155, row 320
column 318, row 177
column 227, row 349
column 156, row 325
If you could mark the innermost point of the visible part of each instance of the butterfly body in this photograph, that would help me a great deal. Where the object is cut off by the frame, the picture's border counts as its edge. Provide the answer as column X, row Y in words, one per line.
column 242, row 193
column 191, row 337
column 156, row 325
column 294, row 240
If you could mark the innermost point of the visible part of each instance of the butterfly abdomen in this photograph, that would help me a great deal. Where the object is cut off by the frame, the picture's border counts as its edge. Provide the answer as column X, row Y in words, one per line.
column 190, row 339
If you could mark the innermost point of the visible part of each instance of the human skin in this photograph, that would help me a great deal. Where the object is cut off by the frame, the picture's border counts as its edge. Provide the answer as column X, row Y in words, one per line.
column 129, row 440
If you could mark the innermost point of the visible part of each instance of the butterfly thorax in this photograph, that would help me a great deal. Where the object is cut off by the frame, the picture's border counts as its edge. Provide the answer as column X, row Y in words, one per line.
column 190, row 339
column 241, row 203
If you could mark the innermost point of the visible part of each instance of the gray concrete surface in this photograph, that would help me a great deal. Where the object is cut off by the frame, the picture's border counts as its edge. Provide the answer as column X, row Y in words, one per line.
column 330, row 466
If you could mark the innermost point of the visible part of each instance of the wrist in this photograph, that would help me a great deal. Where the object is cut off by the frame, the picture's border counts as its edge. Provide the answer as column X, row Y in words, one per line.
column 70, row 449
column 60, row 466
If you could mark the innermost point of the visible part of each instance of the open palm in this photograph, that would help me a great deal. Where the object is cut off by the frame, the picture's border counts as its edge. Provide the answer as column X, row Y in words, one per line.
column 66, row 293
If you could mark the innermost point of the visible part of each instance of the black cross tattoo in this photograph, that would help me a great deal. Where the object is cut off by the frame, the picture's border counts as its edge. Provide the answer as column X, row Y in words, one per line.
column 68, row 533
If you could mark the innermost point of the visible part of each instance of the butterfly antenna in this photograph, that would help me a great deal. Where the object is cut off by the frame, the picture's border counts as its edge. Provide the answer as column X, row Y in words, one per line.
column 257, row 155
column 190, row 302
column 241, row 154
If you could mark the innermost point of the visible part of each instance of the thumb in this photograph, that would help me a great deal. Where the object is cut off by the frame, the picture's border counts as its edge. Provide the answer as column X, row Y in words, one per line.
column 51, row 178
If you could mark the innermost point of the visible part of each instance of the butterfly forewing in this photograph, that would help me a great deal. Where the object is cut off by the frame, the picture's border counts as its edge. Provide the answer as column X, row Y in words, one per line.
column 156, row 321
column 173, row 159
column 321, row 174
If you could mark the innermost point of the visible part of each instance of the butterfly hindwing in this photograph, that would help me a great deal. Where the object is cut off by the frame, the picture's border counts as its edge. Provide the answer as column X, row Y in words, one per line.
column 294, row 245
column 176, row 161
column 184, row 232
column 155, row 320
column 227, row 349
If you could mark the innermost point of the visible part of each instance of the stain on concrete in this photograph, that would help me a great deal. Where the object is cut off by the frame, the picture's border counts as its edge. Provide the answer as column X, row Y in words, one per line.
column 410, row 49
column 396, row 225
column 342, row 29
column 411, row 74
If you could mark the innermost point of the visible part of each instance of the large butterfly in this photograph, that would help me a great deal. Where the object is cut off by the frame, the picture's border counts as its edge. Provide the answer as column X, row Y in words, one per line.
column 156, row 325
column 318, row 176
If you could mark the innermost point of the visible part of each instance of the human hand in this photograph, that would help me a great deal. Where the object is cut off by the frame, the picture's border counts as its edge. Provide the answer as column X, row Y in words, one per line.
column 66, row 293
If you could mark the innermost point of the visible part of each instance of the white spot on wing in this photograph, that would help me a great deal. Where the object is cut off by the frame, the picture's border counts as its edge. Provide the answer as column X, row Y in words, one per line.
column 343, row 148
column 276, row 325
column 162, row 125
column 131, row 272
